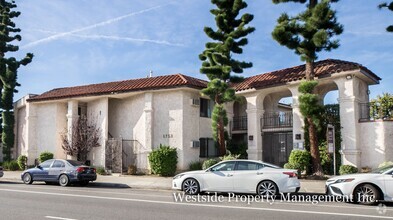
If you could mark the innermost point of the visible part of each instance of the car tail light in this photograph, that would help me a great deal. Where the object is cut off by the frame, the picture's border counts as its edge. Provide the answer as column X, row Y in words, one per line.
column 94, row 170
column 290, row 174
column 80, row 169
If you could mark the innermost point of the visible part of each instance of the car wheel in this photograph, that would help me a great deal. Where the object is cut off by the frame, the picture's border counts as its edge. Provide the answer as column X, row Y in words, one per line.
column 366, row 194
column 27, row 178
column 191, row 186
column 267, row 188
column 64, row 180
column 84, row 183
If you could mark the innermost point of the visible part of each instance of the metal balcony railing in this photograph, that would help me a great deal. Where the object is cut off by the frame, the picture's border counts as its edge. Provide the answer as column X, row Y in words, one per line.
column 277, row 119
column 239, row 123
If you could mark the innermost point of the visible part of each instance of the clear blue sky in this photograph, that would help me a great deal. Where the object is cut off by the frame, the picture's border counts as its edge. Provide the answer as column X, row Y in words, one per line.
column 92, row 41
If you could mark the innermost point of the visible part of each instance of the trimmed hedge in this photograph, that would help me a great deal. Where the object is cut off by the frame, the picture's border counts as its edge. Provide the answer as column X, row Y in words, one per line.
column 11, row 165
column 22, row 162
column 46, row 155
column 347, row 169
column 298, row 160
column 100, row 171
column 163, row 161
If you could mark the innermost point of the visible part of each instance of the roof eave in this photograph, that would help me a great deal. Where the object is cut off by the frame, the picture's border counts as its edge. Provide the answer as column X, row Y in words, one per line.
column 31, row 100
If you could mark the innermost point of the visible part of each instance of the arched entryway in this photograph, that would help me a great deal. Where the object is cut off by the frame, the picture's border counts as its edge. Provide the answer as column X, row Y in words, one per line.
column 276, row 128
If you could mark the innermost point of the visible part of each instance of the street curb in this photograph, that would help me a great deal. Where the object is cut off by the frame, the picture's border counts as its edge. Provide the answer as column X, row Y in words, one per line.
column 101, row 184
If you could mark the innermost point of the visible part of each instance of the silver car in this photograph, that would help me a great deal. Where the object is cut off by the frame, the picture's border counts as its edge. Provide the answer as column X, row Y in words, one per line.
column 59, row 171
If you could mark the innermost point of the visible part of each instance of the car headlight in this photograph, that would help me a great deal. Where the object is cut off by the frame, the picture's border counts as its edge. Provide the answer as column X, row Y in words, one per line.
column 178, row 176
column 344, row 180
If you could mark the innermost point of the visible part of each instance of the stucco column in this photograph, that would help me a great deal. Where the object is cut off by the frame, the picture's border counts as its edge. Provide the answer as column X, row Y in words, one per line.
column 349, row 119
column 31, row 136
column 148, row 111
column 297, row 119
column 72, row 116
column 254, row 114
column 15, row 149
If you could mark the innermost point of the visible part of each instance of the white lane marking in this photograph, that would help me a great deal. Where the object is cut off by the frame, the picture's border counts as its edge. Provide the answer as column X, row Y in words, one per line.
column 54, row 217
column 91, row 190
column 202, row 205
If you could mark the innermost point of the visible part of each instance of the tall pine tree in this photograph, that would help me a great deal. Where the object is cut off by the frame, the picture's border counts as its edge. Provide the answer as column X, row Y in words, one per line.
column 390, row 7
column 8, row 72
column 307, row 34
column 218, row 62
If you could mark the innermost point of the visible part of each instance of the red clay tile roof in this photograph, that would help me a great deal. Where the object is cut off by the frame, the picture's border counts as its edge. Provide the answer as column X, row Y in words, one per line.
column 323, row 68
column 159, row 82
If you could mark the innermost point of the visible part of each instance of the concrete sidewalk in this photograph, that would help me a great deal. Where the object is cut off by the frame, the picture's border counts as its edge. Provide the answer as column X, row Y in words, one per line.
column 154, row 182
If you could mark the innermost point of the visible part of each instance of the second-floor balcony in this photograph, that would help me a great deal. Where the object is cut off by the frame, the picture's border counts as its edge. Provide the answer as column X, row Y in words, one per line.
column 239, row 123
column 277, row 120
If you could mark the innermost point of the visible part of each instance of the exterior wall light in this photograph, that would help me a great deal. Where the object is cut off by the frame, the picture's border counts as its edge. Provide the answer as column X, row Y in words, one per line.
column 349, row 77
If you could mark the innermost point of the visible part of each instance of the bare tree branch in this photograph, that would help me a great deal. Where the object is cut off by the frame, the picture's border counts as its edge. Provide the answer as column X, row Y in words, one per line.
column 84, row 136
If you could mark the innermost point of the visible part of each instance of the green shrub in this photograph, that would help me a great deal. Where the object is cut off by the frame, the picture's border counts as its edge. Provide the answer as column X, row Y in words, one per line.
column 347, row 169
column 5, row 165
column 46, row 155
column 293, row 167
column 326, row 159
column 230, row 157
column 100, row 171
column 196, row 165
column 163, row 161
column 208, row 163
column 299, row 160
column 22, row 162
column 385, row 164
column 11, row 165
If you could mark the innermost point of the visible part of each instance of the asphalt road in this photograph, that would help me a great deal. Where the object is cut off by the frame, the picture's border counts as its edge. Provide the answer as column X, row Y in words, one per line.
column 40, row 201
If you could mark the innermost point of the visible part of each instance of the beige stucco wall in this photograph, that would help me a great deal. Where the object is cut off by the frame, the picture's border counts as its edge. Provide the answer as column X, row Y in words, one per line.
column 21, row 131
column 194, row 127
column 126, row 120
column 175, row 122
column 376, row 143
column 168, row 120
column 49, row 124
column 97, row 110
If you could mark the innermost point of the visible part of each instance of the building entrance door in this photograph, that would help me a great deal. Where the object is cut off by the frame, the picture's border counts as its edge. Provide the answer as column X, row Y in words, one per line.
column 277, row 147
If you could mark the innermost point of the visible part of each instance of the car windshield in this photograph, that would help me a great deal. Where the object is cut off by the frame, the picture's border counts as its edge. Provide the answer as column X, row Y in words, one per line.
column 75, row 163
column 382, row 169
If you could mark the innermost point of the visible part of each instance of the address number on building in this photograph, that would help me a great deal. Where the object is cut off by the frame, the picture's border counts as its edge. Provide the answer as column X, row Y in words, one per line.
column 167, row 135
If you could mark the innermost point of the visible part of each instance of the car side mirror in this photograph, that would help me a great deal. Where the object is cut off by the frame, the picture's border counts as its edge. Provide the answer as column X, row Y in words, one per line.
column 210, row 170
column 39, row 167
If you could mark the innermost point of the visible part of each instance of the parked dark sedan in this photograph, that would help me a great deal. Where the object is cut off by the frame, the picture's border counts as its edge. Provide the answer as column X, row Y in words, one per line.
column 59, row 171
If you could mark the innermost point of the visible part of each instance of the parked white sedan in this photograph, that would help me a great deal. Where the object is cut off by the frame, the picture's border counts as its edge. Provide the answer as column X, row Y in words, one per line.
column 364, row 188
column 239, row 176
